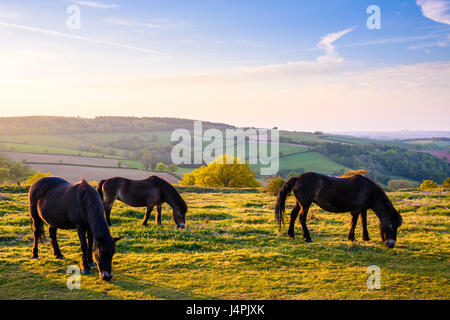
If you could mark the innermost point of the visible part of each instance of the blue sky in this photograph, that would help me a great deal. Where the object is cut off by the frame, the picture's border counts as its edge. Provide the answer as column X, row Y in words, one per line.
column 212, row 60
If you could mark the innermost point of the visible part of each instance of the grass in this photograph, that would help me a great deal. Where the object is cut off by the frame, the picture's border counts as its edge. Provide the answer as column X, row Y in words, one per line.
column 232, row 250
column 310, row 161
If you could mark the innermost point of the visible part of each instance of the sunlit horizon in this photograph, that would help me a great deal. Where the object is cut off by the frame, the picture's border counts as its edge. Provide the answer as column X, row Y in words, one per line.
column 291, row 66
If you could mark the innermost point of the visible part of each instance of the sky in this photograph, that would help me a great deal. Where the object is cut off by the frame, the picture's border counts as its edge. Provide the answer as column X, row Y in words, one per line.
column 295, row 65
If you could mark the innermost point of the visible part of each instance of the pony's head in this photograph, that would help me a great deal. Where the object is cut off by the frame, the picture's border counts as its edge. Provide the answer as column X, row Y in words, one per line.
column 103, row 253
column 179, row 215
column 388, row 228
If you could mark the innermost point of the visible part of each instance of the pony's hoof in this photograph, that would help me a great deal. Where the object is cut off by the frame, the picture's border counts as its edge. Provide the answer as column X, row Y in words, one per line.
column 291, row 236
column 85, row 271
column 144, row 224
column 92, row 264
column 366, row 239
column 308, row 240
column 60, row 257
column 35, row 257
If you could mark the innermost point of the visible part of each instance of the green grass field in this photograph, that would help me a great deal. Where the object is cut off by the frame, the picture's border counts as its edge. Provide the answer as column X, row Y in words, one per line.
column 232, row 250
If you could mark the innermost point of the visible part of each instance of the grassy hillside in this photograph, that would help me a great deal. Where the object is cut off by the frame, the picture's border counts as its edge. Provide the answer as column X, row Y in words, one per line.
column 232, row 250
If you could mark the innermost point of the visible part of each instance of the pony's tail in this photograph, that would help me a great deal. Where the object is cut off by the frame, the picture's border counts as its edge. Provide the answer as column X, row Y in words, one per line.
column 37, row 225
column 281, row 201
column 100, row 189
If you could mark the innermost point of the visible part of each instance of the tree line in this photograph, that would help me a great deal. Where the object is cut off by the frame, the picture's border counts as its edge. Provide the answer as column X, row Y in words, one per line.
column 385, row 161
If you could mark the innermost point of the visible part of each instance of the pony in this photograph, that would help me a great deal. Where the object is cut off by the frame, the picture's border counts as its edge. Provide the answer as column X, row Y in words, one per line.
column 356, row 194
column 149, row 193
column 62, row 205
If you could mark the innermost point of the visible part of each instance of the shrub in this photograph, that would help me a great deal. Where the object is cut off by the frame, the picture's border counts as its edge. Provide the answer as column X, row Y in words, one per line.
column 428, row 184
column 446, row 184
column 172, row 167
column 397, row 184
column 4, row 174
column 351, row 173
column 38, row 175
column 160, row 167
column 274, row 185
column 224, row 171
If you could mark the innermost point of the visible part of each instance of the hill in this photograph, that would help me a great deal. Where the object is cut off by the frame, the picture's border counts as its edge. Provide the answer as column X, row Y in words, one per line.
column 139, row 143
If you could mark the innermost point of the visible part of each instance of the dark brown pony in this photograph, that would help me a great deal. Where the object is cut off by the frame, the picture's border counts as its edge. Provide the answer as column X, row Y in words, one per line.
column 149, row 192
column 65, row 206
column 356, row 195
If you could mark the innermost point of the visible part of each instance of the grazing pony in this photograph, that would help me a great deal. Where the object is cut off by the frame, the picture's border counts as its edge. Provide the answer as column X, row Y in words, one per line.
column 65, row 206
column 356, row 194
column 149, row 192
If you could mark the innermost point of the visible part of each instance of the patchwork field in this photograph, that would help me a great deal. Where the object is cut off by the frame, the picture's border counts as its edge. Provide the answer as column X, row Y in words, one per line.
column 232, row 250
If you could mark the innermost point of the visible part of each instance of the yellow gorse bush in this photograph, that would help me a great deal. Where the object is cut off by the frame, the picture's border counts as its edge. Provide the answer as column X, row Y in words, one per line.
column 224, row 171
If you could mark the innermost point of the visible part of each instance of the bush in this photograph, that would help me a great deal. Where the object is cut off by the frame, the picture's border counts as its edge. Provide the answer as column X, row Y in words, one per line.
column 428, row 184
column 446, row 184
column 172, row 167
column 398, row 184
column 224, row 171
column 351, row 173
column 38, row 175
column 274, row 185
column 160, row 167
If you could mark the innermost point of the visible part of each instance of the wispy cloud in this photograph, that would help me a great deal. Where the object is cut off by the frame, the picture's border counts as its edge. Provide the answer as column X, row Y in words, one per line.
column 68, row 35
column 97, row 4
column 427, row 45
column 6, row 13
column 437, row 10
column 130, row 23
column 326, row 44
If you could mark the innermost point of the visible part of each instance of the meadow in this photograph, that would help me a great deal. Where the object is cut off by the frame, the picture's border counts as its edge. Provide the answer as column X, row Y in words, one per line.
column 232, row 250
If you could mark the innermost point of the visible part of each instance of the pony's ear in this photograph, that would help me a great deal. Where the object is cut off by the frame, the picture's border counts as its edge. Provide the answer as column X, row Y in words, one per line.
column 117, row 239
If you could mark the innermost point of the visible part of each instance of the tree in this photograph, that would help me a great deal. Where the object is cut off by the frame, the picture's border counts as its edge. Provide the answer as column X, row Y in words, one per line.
column 119, row 164
column 224, row 171
column 160, row 167
column 428, row 184
column 147, row 160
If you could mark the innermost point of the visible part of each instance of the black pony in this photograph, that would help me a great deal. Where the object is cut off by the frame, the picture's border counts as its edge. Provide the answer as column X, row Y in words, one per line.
column 356, row 195
column 149, row 192
column 65, row 206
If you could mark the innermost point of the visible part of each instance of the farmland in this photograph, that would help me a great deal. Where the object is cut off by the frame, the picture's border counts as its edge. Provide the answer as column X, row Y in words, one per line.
column 232, row 250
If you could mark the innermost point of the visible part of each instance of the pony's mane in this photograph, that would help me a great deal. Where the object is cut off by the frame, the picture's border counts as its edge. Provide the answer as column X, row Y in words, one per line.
column 170, row 190
column 92, row 204
column 388, row 203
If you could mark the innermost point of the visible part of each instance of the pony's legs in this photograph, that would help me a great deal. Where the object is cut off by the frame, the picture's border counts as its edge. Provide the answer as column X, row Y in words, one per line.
column 303, row 215
column 351, row 233
column 365, row 236
column 108, row 207
column 84, row 260
column 56, row 252
column 294, row 214
column 147, row 214
column 90, row 243
column 158, row 214
column 35, row 245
